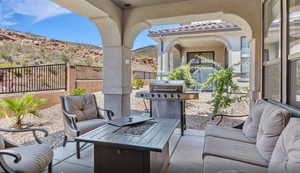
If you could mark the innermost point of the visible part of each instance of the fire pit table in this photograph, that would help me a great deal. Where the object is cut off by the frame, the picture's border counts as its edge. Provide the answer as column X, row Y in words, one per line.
column 139, row 148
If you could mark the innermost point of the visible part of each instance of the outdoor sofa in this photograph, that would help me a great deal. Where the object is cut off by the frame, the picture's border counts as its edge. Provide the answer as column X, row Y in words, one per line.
column 269, row 141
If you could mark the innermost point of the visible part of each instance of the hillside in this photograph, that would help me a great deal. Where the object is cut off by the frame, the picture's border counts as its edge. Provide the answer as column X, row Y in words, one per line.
column 21, row 49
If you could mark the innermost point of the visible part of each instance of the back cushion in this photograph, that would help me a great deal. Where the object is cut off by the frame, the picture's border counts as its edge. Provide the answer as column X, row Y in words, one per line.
column 272, row 123
column 85, row 104
column 286, row 154
column 250, row 127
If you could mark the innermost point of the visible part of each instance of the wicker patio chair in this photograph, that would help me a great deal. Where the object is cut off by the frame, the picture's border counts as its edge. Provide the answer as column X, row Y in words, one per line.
column 33, row 158
column 81, row 115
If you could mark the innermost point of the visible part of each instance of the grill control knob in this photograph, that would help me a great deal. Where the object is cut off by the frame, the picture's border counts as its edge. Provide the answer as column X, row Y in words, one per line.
column 172, row 95
column 158, row 95
column 166, row 95
column 142, row 95
column 152, row 95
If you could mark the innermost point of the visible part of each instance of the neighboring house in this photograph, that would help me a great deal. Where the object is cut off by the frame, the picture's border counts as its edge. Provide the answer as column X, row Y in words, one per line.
column 218, row 41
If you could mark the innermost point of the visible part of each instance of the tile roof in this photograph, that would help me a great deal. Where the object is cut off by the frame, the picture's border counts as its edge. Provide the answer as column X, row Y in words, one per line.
column 197, row 27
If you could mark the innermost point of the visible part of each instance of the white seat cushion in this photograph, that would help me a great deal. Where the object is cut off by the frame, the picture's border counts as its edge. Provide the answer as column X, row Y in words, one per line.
column 218, row 165
column 88, row 125
column 233, row 150
column 227, row 133
column 273, row 121
column 286, row 155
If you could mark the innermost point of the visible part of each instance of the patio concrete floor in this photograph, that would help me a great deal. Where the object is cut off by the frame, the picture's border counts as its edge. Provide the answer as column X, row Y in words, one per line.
column 185, row 158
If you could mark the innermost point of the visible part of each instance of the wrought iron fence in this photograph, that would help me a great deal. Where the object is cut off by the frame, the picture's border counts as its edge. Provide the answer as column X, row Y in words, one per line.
column 33, row 78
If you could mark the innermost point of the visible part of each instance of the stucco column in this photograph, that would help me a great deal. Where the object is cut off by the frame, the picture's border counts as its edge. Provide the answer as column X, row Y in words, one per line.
column 163, row 64
column 117, row 79
column 234, row 59
column 255, row 71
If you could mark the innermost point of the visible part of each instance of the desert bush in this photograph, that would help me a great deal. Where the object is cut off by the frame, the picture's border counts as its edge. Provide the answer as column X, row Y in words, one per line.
column 78, row 91
column 138, row 83
column 183, row 73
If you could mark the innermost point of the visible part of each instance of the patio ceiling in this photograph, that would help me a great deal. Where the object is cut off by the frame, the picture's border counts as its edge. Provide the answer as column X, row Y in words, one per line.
column 141, row 3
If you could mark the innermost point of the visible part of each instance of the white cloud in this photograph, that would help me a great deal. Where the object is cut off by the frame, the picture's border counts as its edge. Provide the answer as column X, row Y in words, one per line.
column 38, row 9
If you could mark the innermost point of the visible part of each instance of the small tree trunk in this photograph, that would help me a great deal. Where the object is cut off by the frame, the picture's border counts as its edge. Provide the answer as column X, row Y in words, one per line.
column 18, row 124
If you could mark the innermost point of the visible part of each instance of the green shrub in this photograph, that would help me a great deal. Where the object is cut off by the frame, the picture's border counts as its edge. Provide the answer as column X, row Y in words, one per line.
column 6, row 65
column 137, row 84
column 224, row 86
column 183, row 73
column 78, row 91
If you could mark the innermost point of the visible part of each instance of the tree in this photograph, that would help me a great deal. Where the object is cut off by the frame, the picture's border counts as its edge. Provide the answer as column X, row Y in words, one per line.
column 224, row 86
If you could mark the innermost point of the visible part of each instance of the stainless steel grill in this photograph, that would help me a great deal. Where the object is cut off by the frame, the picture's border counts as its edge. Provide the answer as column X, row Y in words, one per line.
column 167, row 99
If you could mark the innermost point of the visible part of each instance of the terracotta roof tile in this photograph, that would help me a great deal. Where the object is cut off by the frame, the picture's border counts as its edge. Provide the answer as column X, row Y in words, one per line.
column 209, row 26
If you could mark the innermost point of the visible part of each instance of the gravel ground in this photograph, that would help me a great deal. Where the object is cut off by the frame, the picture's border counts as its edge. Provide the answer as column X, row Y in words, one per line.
column 198, row 115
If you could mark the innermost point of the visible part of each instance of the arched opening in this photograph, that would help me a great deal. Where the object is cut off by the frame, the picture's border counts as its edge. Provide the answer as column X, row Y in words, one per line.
column 226, row 47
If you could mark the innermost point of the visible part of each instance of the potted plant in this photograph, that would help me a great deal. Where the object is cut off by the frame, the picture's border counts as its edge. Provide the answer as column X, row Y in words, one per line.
column 20, row 107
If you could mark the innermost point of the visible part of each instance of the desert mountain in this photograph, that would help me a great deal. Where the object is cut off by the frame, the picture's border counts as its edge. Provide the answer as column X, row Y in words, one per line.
column 22, row 49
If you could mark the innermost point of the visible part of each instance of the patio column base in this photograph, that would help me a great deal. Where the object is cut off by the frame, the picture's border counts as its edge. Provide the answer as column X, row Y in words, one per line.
column 119, row 103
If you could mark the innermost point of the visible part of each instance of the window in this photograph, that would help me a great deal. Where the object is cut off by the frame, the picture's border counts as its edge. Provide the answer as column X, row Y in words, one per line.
column 294, row 53
column 197, row 58
column 245, row 57
column 272, row 50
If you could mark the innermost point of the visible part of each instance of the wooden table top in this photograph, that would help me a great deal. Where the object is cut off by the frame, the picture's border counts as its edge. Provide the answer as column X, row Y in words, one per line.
column 154, row 139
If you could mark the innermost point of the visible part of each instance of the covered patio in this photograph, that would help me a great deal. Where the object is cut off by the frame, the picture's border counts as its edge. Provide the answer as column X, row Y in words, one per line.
column 120, row 22
column 268, row 140
column 186, row 155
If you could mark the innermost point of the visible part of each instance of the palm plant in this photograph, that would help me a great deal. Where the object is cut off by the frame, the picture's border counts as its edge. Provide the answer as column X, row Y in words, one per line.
column 21, row 107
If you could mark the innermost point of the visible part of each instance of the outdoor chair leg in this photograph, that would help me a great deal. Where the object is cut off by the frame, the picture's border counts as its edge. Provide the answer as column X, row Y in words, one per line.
column 78, row 150
column 50, row 167
column 65, row 141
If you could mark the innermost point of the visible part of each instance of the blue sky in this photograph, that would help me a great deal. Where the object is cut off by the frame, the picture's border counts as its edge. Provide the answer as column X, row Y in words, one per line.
column 45, row 18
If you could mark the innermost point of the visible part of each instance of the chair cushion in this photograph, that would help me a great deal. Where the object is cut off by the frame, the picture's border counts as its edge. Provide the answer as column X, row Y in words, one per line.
column 80, row 116
column 2, row 143
column 88, row 125
column 35, row 158
column 233, row 150
column 218, row 165
column 251, row 124
column 84, row 103
column 227, row 133
column 273, row 121
column 286, row 154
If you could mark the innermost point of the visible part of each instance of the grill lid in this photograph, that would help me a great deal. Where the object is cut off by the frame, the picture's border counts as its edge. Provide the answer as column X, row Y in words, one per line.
column 167, row 86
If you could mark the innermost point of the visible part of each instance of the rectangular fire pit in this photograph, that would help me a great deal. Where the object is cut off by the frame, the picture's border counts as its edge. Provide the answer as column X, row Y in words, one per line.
column 120, row 149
